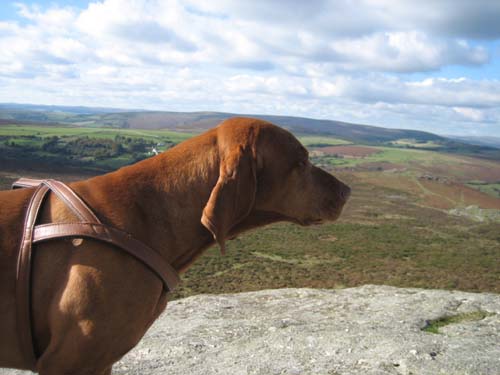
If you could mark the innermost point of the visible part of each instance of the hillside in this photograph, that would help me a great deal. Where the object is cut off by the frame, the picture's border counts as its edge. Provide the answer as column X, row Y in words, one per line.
column 480, row 141
column 418, row 216
column 414, row 217
column 25, row 108
column 198, row 121
column 195, row 122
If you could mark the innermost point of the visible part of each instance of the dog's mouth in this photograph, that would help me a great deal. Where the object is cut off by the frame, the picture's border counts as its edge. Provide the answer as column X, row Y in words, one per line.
column 310, row 222
column 317, row 222
column 305, row 222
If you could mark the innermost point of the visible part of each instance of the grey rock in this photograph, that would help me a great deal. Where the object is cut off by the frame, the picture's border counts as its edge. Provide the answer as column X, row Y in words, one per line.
column 364, row 330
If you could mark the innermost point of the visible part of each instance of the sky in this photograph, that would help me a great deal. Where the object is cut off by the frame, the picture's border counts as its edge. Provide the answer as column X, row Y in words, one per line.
column 431, row 65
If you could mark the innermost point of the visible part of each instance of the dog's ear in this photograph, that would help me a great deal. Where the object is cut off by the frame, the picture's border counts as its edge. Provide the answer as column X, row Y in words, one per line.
column 233, row 196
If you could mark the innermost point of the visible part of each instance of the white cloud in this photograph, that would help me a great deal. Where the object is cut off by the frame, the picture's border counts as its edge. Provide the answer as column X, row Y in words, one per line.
column 346, row 60
column 53, row 20
column 172, row 31
column 471, row 114
column 406, row 52
column 455, row 18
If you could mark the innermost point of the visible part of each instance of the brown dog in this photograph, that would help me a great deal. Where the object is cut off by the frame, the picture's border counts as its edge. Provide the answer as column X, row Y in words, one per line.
column 92, row 303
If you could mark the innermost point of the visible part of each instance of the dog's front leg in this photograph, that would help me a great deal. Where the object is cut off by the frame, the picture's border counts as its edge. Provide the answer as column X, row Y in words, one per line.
column 85, row 372
column 74, row 354
column 99, row 313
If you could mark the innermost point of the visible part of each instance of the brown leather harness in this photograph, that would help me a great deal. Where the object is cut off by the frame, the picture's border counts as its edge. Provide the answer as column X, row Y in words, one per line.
column 89, row 226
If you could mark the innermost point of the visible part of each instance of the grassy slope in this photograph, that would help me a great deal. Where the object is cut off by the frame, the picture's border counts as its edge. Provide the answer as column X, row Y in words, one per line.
column 21, row 135
column 204, row 120
column 199, row 121
column 109, row 133
column 396, row 229
column 384, row 237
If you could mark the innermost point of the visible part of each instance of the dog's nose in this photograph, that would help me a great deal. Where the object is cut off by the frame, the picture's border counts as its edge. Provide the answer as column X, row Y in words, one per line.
column 345, row 193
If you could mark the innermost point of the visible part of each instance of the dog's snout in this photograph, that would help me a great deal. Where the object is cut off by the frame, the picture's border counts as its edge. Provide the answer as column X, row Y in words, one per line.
column 345, row 192
column 338, row 190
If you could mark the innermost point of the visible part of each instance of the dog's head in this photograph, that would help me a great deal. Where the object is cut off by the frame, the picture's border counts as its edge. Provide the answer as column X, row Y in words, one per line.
column 265, row 176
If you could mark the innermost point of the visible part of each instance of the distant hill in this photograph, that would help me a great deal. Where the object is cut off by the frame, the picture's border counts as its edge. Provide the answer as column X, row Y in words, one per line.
column 478, row 140
column 194, row 122
column 199, row 121
column 57, row 108
column 349, row 131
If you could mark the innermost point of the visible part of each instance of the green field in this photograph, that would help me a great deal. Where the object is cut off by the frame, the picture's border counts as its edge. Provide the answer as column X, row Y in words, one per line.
column 315, row 141
column 389, row 155
column 380, row 239
column 397, row 229
column 92, row 132
column 412, row 143
column 492, row 188
column 100, row 149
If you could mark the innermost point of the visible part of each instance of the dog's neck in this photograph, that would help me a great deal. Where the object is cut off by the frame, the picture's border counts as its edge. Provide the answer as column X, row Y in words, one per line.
column 160, row 200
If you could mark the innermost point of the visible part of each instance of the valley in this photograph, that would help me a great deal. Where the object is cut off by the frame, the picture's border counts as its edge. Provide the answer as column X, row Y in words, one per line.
column 419, row 216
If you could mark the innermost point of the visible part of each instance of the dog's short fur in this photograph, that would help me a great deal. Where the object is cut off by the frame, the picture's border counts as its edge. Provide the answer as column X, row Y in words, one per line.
column 92, row 303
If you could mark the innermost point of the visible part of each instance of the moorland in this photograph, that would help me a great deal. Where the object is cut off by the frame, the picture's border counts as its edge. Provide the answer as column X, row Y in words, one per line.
column 424, row 212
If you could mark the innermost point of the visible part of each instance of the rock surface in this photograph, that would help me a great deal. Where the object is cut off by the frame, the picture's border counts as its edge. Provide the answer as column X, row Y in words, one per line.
column 364, row 330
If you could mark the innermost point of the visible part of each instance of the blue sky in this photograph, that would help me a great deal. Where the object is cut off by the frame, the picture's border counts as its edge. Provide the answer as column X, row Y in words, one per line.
column 431, row 65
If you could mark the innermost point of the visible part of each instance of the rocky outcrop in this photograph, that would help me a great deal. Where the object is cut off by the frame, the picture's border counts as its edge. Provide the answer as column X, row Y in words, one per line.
column 364, row 330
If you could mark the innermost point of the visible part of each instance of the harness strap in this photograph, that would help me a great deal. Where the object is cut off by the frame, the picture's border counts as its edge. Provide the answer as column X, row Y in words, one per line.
column 64, row 193
column 73, row 201
column 26, row 182
column 23, row 285
column 89, row 227
column 113, row 236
